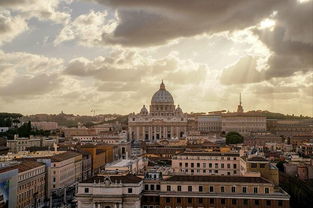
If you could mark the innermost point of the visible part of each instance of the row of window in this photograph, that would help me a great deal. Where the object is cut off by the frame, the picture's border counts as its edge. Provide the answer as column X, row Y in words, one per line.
column 222, row 201
column 210, row 165
column 222, row 189
column 205, row 158
column 213, row 172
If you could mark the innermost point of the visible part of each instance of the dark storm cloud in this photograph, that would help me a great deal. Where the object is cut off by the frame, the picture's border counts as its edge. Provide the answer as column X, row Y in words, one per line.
column 143, row 22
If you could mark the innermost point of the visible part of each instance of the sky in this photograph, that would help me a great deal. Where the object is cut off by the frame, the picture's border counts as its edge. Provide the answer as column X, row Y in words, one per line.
column 111, row 55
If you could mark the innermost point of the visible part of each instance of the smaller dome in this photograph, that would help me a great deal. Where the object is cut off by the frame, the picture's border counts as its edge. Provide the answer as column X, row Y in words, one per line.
column 178, row 110
column 144, row 110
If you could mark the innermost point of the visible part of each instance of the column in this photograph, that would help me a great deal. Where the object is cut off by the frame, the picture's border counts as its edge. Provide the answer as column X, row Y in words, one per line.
column 154, row 132
column 143, row 133
column 137, row 133
column 172, row 131
column 149, row 133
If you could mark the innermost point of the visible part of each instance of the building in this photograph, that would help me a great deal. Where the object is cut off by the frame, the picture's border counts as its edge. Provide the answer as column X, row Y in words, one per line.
column 221, row 191
column 210, row 123
column 259, row 166
column 8, row 184
column 110, row 192
column 291, row 127
column 125, row 166
column 23, row 144
column 156, row 191
column 98, row 157
column 64, row 171
column 243, row 123
column 31, row 184
column 260, row 139
column 206, row 163
column 163, row 121
column 45, row 125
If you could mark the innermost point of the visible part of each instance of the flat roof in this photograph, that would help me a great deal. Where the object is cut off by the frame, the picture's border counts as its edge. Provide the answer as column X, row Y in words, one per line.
column 210, row 154
column 227, row 179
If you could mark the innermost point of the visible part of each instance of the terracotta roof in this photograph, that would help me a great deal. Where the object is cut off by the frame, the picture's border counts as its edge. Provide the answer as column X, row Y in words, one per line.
column 64, row 156
column 23, row 166
column 125, row 179
column 227, row 179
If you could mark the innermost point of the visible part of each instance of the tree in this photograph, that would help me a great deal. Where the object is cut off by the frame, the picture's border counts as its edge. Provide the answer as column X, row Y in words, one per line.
column 234, row 138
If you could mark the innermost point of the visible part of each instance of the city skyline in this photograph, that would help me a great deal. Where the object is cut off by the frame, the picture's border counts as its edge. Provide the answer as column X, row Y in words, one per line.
column 110, row 56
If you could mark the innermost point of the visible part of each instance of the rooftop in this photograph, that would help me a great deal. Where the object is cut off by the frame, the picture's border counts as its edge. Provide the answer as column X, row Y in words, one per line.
column 227, row 179
column 64, row 156
column 124, row 179
column 210, row 154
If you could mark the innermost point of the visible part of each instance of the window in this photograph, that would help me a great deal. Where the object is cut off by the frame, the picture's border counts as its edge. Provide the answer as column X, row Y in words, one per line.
column 228, row 165
column 200, row 188
column 267, row 190
column 168, row 188
column 245, row 201
column 280, row 203
column 86, row 190
column 178, row 200
column 200, row 200
column 234, row 201
column 235, row 166
column 192, row 165
column 222, row 201
column 168, row 199
column 178, row 188
column 189, row 188
column 256, row 202
column 216, row 165
column 158, row 187
column 255, row 190
column 189, row 200
column 233, row 189
column 211, row 201
column 146, row 187
column 186, row 165
column 222, row 189
column 180, row 164
column 244, row 189
column 268, row 203
column 262, row 165
column 130, row 190
column 210, row 165
column 152, row 187
column 253, row 165
column 211, row 188
column 222, row 165
column 198, row 165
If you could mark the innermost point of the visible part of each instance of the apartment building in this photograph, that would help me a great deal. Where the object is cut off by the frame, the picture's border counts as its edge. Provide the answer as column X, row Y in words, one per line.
column 206, row 163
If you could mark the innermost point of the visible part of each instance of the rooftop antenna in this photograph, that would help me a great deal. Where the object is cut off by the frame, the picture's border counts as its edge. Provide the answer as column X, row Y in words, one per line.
column 94, row 112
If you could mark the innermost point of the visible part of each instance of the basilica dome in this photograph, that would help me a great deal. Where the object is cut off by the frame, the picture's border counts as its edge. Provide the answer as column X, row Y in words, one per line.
column 162, row 96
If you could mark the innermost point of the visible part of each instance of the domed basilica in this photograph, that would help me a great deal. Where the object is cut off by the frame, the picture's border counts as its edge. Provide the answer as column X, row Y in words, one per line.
column 162, row 121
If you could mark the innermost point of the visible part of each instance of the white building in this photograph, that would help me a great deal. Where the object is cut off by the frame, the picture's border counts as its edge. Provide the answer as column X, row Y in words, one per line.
column 110, row 192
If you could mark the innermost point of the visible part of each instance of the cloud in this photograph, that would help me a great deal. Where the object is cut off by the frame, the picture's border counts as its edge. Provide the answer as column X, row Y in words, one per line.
column 25, row 75
column 41, row 9
column 10, row 26
column 289, row 42
column 86, row 29
column 145, row 23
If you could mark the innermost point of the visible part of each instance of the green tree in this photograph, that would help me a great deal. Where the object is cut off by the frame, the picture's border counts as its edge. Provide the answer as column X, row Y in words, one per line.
column 234, row 138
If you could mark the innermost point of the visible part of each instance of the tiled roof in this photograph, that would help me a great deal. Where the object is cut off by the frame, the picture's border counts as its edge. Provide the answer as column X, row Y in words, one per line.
column 227, row 179
column 64, row 156
column 24, row 165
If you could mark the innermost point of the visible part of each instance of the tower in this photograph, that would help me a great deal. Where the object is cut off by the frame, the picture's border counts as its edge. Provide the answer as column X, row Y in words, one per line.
column 240, row 108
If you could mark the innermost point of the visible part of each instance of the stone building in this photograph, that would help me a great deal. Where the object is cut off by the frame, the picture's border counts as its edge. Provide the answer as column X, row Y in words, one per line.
column 206, row 163
column 163, row 121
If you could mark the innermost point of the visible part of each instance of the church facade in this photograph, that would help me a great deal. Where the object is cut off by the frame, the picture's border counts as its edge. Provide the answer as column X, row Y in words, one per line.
column 163, row 120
